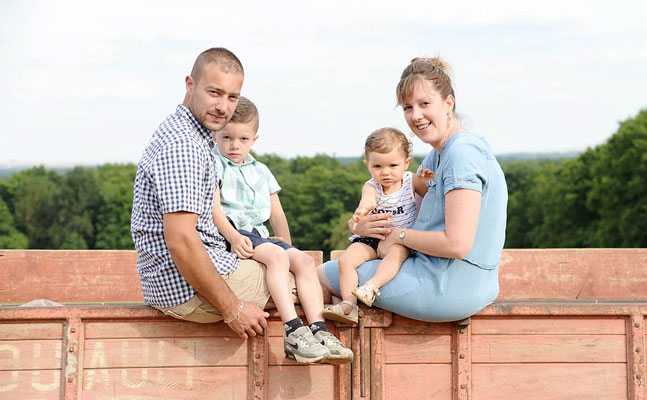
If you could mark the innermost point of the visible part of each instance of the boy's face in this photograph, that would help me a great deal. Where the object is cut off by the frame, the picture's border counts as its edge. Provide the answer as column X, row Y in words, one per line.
column 235, row 140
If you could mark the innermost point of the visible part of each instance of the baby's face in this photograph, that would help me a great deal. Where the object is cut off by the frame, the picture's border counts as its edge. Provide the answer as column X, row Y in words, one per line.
column 235, row 140
column 387, row 169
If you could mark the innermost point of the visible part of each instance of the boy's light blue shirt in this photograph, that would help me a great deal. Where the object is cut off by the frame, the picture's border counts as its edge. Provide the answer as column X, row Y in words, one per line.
column 245, row 191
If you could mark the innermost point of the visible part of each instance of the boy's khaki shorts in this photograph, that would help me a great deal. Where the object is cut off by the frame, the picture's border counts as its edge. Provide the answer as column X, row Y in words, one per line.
column 247, row 282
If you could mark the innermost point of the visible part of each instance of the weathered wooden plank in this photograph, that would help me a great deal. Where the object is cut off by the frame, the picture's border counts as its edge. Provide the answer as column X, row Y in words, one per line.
column 543, row 326
column 165, row 383
column 417, row 349
column 462, row 362
column 74, row 275
column 418, row 381
column 131, row 353
column 636, row 351
column 549, row 381
column 69, row 276
column 573, row 274
column 30, row 354
column 30, row 384
column 298, row 382
column 156, row 329
column 405, row 326
column 548, row 348
column 31, row 331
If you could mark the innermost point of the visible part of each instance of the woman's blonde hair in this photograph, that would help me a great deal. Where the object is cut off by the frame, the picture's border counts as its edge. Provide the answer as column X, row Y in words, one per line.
column 434, row 70
column 384, row 140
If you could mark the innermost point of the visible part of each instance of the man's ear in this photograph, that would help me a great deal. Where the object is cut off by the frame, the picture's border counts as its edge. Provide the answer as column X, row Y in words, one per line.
column 189, row 83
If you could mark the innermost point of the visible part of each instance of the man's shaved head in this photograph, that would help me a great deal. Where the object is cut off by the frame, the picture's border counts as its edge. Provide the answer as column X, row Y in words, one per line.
column 227, row 61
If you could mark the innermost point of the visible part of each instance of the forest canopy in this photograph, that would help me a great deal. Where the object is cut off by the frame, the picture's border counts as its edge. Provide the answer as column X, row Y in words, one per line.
column 596, row 199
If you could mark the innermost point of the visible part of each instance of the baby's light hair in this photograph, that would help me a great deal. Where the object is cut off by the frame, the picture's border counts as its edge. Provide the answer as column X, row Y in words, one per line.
column 385, row 140
column 245, row 112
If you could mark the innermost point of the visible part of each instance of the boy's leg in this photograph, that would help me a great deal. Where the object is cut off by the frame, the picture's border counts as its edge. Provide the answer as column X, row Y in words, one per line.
column 277, row 263
column 355, row 255
column 311, row 298
column 308, row 288
column 390, row 265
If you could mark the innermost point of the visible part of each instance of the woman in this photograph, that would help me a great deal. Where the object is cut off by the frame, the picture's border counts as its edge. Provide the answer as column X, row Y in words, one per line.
column 458, row 236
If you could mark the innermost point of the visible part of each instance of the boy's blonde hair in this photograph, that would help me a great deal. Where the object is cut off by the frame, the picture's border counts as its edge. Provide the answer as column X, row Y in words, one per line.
column 245, row 112
column 384, row 140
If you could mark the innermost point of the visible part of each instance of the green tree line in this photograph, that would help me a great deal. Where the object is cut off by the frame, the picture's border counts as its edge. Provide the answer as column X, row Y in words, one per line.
column 597, row 199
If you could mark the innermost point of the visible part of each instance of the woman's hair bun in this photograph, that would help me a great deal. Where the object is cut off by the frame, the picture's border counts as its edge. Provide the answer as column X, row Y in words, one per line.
column 436, row 62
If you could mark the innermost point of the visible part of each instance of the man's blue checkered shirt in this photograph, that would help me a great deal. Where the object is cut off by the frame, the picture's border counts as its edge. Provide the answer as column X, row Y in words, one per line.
column 176, row 173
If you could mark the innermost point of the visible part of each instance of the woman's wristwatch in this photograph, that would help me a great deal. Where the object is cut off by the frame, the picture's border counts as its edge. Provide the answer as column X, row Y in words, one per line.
column 401, row 235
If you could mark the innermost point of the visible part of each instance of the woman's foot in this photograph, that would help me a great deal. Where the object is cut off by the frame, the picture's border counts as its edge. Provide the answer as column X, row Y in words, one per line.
column 343, row 312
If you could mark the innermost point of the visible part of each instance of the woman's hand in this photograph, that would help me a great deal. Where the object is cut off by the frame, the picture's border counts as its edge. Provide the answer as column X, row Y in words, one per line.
column 384, row 245
column 372, row 225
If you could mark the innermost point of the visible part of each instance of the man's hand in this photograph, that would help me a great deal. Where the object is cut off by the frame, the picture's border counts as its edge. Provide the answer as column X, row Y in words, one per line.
column 242, row 246
column 250, row 322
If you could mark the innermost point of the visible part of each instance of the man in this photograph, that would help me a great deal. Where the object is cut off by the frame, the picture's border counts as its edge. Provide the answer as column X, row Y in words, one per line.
column 184, row 268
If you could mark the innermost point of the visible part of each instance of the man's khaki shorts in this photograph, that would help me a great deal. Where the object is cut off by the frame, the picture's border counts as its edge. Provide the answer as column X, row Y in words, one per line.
column 247, row 282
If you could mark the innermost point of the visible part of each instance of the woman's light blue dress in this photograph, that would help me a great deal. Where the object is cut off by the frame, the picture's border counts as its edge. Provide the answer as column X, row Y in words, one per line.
column 439, row 289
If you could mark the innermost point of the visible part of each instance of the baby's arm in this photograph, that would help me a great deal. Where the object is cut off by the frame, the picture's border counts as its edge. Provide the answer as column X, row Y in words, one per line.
column 366, row 203
column 420, row 180
column 278, row 220
column 240, row 244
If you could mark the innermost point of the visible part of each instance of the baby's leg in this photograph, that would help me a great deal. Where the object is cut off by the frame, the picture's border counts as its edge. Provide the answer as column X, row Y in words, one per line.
column 390, row 265
column 278, row 277
column 355, row 255
column 308, row 287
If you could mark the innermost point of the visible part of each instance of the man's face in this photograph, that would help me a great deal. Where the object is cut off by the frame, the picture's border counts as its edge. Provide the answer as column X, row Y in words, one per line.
column 235, row 140
column 212, row 99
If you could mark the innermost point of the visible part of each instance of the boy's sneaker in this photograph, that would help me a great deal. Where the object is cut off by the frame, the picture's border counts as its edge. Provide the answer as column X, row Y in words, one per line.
column 301, row 346
column 338, row 353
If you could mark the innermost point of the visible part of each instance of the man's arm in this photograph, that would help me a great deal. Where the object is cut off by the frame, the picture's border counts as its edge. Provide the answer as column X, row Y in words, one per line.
column 278, row 220
column 195, row 265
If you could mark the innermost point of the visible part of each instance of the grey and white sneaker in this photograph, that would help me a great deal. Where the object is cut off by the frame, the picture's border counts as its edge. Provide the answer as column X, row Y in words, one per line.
column 338, row 353
column 301, row 346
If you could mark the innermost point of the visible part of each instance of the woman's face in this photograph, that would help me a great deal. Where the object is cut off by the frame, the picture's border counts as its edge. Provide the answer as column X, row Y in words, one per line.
column 428, row 114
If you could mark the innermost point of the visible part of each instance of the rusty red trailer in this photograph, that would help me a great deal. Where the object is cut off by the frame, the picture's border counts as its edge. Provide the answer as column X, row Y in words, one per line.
column 568, row 324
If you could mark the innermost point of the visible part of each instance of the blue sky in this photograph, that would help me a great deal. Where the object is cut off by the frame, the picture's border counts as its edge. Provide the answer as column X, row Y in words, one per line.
column 88, row 82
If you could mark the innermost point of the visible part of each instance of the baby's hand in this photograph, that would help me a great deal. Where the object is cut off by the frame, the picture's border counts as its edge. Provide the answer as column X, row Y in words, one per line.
column 426, row 174
column 361, row 211
column 242, row 247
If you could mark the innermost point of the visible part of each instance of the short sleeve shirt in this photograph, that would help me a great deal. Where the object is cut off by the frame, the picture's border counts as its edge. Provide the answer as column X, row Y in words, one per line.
column 176, row 173
column 245, row 191
column 467, row 162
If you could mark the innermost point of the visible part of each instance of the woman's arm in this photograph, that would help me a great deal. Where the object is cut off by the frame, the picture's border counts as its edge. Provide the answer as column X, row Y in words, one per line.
column 278, row 220
column 462, row 208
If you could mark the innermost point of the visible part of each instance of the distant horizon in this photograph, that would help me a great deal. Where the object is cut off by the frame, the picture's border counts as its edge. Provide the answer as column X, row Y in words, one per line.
column 527, row 155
